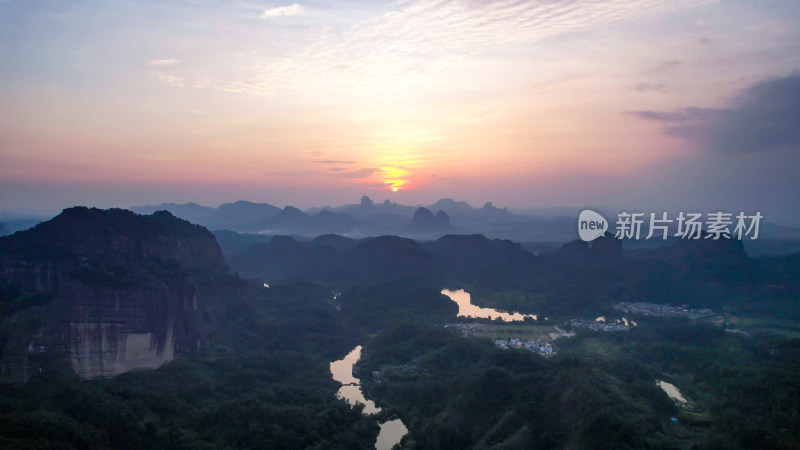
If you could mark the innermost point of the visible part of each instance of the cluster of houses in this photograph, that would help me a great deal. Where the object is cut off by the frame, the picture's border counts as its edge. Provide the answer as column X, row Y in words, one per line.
column 544, row 348
column 597, row 325
column 655, row 309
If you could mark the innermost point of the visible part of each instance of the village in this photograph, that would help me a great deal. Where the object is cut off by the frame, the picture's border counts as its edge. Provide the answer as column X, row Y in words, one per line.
column 658, row 310
column 544, row 348
column 601, row 325
column 534, row 338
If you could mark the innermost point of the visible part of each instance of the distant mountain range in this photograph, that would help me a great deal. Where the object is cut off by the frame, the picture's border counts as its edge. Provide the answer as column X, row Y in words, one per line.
column 12, row 226
column 240, row 215
column 368, row 218
column 545, row 231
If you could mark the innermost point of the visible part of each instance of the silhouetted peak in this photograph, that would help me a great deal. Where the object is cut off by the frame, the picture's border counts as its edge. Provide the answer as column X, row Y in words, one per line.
column 366, row 201
column 507, row 244
column 282, row 240
column 334, row 241
column 392, row 245
column 244, row 205
column 452, row 205
column 423, row 215
column 607, row 247
column 238, row 203
column 424, row 218
column 291, row 212
column 339, row 221
column 443, row 202
column 82, row 212
column 489, row 208
column 164, row 214
column 81, row 218
column 82, row 232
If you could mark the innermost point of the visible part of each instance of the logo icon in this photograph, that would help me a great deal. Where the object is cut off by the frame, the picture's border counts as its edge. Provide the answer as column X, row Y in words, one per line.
column 591, row 225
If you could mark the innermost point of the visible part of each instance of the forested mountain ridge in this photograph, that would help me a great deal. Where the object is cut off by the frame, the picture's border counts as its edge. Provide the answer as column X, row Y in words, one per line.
column 579, row 277
column 110, row 289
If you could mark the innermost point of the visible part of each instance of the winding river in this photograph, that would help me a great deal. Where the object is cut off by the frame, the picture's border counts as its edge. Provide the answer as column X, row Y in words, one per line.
column 342, row 371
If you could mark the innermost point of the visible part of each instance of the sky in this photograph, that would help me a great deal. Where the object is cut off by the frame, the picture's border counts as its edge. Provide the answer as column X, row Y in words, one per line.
column 650, row 105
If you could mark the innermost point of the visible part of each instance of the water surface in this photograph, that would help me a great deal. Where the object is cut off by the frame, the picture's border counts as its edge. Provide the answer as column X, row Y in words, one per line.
column 342, row 371
column 672, row 391
column 467, row 309
column 391, row 433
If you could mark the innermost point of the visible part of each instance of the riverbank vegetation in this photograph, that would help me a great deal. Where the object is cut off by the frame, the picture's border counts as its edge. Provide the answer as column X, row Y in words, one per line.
column 262, row 383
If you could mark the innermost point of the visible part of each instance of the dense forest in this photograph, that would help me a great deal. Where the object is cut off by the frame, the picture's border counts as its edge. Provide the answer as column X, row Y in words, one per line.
column 248, row 365
column 263, row 382
column 599, row 392
column 578, row 278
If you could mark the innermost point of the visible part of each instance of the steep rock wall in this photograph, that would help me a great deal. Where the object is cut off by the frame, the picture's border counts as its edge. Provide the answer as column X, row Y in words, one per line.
column 121, row 292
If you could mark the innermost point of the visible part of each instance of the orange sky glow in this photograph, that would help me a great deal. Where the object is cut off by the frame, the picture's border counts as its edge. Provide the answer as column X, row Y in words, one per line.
column 521, row 103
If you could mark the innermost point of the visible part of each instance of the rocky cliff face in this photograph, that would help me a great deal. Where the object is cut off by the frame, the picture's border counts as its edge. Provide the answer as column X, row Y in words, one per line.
column 108, row 290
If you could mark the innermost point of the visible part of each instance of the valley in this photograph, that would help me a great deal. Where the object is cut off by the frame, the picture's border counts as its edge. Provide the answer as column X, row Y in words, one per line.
column 400, row 225
column 519, row 350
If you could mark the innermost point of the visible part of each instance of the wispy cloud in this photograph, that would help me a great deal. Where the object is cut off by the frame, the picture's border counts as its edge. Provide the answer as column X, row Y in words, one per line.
column 359, row 173
column 422, row 37
column 163, row 62
column 340, row 172
column 169, row 79
column 284, row 11
column 332, row 161
column 684, row 115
